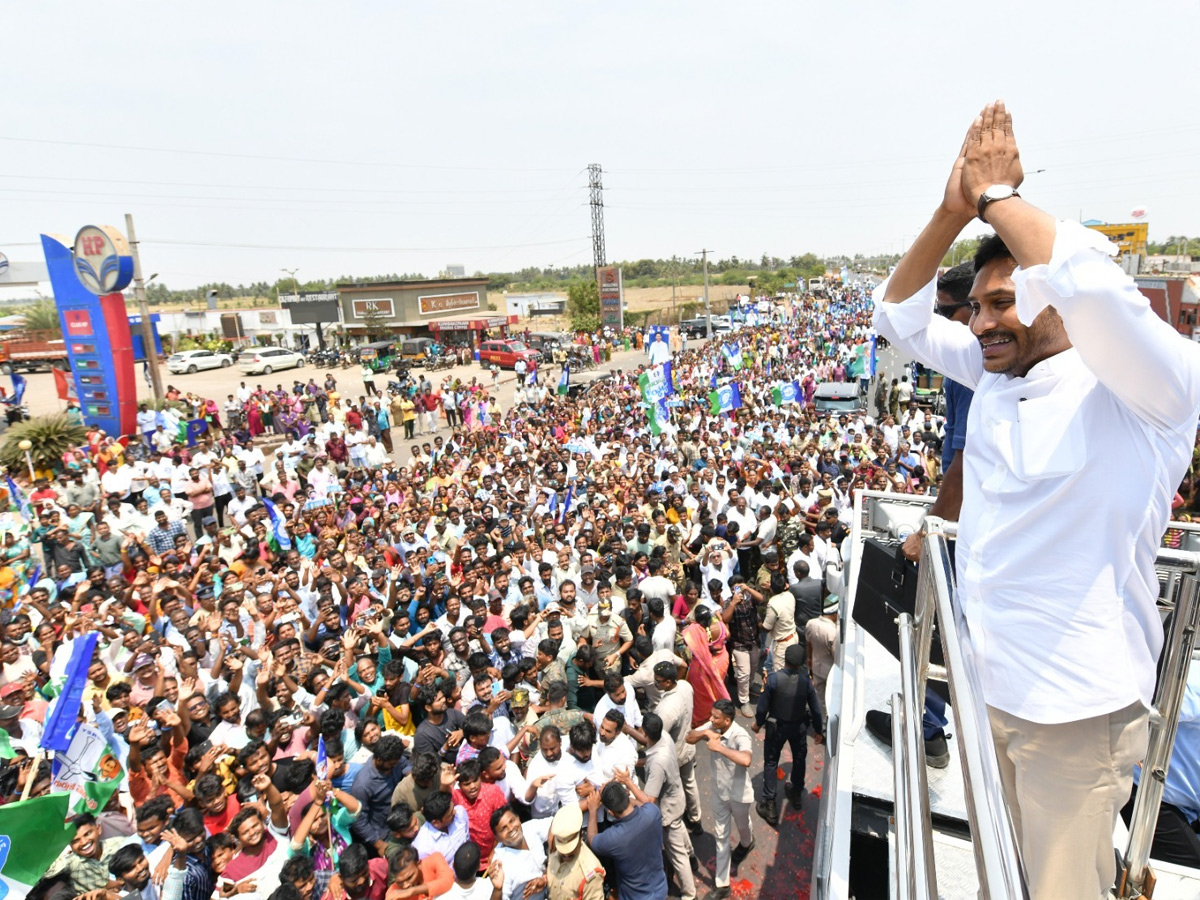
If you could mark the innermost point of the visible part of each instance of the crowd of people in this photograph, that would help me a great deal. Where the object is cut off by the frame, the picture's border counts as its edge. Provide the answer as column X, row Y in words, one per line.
column 483, row 664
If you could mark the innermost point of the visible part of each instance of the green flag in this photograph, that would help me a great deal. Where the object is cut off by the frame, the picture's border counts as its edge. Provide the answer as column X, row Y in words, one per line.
column 32, row 835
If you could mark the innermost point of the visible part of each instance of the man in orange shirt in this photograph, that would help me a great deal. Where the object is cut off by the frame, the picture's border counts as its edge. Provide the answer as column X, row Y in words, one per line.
column 413, row 878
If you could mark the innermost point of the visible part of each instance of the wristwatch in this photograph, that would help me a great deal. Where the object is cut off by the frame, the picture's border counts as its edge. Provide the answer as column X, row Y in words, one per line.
column 993, row 193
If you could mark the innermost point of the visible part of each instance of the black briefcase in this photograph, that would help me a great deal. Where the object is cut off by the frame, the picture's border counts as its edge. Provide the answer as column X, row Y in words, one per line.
column 887, row 586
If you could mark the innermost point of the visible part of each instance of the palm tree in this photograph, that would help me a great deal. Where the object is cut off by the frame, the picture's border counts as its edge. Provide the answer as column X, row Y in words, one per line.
column 42, row 316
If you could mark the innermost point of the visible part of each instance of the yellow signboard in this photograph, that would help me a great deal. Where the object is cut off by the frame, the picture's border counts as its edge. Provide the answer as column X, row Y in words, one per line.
column 1131, row 237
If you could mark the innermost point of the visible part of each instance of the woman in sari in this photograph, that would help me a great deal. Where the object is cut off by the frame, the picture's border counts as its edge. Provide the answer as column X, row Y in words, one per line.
column 705, row 639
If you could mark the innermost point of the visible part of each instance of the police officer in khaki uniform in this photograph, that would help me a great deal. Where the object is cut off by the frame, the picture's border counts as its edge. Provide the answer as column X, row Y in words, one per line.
column 572, row 870
column 609, row 635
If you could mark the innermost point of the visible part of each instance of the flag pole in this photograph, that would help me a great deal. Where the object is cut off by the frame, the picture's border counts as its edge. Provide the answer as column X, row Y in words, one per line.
column 32, row 776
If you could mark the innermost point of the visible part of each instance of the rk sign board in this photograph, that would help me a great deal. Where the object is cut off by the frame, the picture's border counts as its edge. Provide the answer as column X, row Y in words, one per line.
column 364, row 309
column 440, row 303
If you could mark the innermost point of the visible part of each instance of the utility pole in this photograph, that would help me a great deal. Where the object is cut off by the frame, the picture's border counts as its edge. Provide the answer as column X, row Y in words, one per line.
column 707, row 308
column 139, row 291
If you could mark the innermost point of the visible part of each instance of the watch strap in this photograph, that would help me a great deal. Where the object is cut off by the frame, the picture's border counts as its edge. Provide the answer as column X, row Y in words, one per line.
column 985, row 200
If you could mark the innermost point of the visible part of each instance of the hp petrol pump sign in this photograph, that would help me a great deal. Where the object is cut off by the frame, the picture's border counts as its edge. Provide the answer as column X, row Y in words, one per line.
column 103, row 262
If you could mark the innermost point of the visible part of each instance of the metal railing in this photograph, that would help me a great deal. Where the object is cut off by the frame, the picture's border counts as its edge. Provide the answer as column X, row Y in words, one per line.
column 997, row 857
column 1137, row 878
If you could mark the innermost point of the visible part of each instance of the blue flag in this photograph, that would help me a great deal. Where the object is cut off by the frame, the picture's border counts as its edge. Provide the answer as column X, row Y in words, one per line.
column 60, row 724
column 18, row 388
column 712, row 382
column 725, row 399
column 552, row 503
column 277, row 526
column 564, row 382
column 18, row 497
column 567, row 503
column 322, row 760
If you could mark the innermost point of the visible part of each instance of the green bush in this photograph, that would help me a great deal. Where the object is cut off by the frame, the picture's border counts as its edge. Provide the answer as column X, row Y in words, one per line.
column 51, row 436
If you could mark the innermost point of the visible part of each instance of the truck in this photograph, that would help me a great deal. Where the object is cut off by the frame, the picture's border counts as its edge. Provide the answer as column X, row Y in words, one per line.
column 30, row 351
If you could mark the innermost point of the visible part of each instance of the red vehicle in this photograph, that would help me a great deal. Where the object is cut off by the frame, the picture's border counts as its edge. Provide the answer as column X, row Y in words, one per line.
column 506, row 353
column 27, row 351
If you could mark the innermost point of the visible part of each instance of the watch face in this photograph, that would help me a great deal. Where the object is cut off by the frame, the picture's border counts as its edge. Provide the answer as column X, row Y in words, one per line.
column 999, row 192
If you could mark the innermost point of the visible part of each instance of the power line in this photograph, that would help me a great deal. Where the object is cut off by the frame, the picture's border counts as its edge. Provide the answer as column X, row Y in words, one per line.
column 265, row 158
column 239, row 246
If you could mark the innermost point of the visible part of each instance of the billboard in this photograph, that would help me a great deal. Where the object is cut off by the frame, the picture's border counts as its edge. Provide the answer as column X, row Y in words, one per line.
column 312, row 307
column 382, row 306
column 87, row 279
column 1130, row 238
column 612, row 296
column 431, row 304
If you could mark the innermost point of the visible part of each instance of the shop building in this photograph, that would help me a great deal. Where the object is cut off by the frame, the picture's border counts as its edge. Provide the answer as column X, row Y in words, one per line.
column 451, row 310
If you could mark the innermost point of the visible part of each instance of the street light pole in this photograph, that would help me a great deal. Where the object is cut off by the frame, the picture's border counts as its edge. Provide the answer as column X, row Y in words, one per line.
column 139, row 291
column 707, row 308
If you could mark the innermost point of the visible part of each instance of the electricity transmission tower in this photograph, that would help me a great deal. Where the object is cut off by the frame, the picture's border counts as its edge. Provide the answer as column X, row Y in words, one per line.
column 597, row 204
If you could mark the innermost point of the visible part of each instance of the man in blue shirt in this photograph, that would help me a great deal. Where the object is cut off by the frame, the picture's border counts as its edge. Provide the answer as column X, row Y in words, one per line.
column 633, row 842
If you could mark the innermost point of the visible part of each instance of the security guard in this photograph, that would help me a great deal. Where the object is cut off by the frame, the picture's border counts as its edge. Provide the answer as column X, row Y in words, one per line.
column 784, row 707
column 572, row 872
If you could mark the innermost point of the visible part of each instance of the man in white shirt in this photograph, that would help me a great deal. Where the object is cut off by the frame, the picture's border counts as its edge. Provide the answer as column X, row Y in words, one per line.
column 614, row 750
column 1074, row 378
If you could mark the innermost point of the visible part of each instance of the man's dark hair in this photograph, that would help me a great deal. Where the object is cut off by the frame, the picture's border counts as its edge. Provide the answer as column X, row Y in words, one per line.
column 425, row 768
column 466, row 861
column 81, row 819
column 400, row 817
column 125, row 859
column 436, row 806
column 389, row 748
column 612, row 681
column 477, row 724
column 725, row 708
column 155, row 808
column 991, row 248
column 353, row 861
column 488, row 755
column 556, row 692
column 286, row 892
column 470, row 770
column 582, row 735
column 957, row 281
column 667, row 671
column 188, row 823
column 295, row 870
column 401, row 860
column 615, row 798
column 652, row 727
column 208, row 787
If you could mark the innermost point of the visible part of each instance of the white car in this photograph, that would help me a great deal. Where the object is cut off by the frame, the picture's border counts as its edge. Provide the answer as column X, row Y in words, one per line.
column 269, row 359
column 194, row 360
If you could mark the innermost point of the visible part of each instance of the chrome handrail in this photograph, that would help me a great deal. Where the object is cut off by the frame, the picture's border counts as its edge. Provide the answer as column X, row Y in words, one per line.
column 1137, row 879
column 904, row 879
column 997, row 856
column 912, row 763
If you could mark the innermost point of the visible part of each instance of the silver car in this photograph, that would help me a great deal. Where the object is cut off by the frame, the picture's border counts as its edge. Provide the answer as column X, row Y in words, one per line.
column 194, row 360
column 269, row 359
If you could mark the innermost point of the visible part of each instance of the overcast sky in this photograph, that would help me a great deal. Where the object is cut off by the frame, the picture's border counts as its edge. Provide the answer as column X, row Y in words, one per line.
column 374, row 137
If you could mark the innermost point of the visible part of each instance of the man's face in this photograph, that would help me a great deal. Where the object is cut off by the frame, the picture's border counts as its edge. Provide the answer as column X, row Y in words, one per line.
column 230, row 712
column 150, row 830
column 567, row 593
column 250, row 832
column 551, row 747
column 86, row 842
column 720, row 722
column 608, row 731
column 459, row 642
column 409, row 876
column 508, row 830
column 1010, row 348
